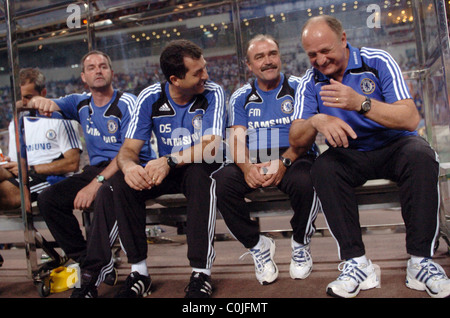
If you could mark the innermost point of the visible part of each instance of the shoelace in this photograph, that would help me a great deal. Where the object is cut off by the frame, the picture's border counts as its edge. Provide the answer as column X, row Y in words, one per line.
column 301, row 255
column 429, row 270
column 261, row 258
column 350, row 270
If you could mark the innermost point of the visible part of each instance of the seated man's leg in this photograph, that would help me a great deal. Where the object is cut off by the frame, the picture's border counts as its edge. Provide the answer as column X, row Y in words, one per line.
column 335, row 173
column 9, row 196
column 201, row 214
column 231, row 188
column 129, row 209
column 118, row 211
column 414, row 166
column 298, row 185
column 56, row 206
column 199, row 189
column 103, row 233
column 9, row 191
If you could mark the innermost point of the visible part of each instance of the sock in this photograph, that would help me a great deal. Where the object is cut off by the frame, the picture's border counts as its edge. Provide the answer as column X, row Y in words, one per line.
column 416, row 259
column 361, row 260
column 202, row 270
column 295, row 244
column 140, row 267
column 260, row 243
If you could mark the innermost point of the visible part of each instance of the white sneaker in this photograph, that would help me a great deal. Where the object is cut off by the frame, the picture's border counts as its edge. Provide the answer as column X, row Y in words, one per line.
column 428, row 275
column 354, row 277
column 265, row 268
column 301, row 261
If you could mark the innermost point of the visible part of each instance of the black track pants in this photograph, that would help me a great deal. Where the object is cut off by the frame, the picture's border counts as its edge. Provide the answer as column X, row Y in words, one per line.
column 120, row 210
column 410, row 162
column 232, row 188
column 56, row 206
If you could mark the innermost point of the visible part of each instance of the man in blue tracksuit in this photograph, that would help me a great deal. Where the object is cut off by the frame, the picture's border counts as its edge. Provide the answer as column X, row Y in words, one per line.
column 259, row 119
column 104, row 114
column 358, row 99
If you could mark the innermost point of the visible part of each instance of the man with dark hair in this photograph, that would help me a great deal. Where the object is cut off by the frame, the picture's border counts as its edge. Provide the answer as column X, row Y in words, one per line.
column 358, row 99
column 186, row 115
column 104, row 114
column 53, row 147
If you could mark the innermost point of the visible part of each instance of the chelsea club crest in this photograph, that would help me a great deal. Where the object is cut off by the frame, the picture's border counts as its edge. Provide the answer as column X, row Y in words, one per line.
column 367, row 86
column 50, row 134
column 287, row 106
column 197, row 122
column 112, row 126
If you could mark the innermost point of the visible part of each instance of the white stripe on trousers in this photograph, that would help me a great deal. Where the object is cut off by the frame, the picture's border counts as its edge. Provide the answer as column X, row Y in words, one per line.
column 212, row 220
column 109, row 267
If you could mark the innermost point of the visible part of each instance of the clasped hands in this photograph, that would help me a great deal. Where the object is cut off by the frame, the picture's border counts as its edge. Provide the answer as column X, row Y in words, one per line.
column 141, row 178
column 264, row 174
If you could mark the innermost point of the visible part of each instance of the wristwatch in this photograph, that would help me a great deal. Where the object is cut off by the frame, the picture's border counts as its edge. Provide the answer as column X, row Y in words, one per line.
column 171, row 161
column 365, row 106
column 100, row 178
column 286, row 161
column 32, row 170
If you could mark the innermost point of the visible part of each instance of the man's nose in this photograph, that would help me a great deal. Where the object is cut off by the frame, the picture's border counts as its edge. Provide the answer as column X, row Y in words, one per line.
column 321, row 59
column 205, row 75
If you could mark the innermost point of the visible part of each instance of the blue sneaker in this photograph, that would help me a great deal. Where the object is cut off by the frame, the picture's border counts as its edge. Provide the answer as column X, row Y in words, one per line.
column 265, row 268
column 428, row 275
column 354, row 277
column 301, row 261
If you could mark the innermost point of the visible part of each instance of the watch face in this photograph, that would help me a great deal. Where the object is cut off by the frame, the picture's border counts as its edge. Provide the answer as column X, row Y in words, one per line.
column 172, row 162
column 100, row 178
column 287, row 162
column 365, row 106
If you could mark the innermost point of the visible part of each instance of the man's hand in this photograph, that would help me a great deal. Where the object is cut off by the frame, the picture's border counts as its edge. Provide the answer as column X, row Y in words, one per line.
column 273, row 171
column 87, row 195
column 136, row 176
column 253, row 175
column 11, row 166
column 341, row 96
column 44, row 105
column 335, row 130
column 157, row 170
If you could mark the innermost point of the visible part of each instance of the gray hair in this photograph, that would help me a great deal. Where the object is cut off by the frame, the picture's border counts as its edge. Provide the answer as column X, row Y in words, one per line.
column 257, row 38
column 333, row 23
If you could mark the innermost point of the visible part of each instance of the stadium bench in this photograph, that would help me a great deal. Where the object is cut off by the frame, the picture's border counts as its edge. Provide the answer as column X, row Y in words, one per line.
column 170, row 209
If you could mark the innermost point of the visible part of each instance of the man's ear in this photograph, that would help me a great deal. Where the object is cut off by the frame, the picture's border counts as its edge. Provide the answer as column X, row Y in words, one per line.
column 174, row 80
column 82, row 77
